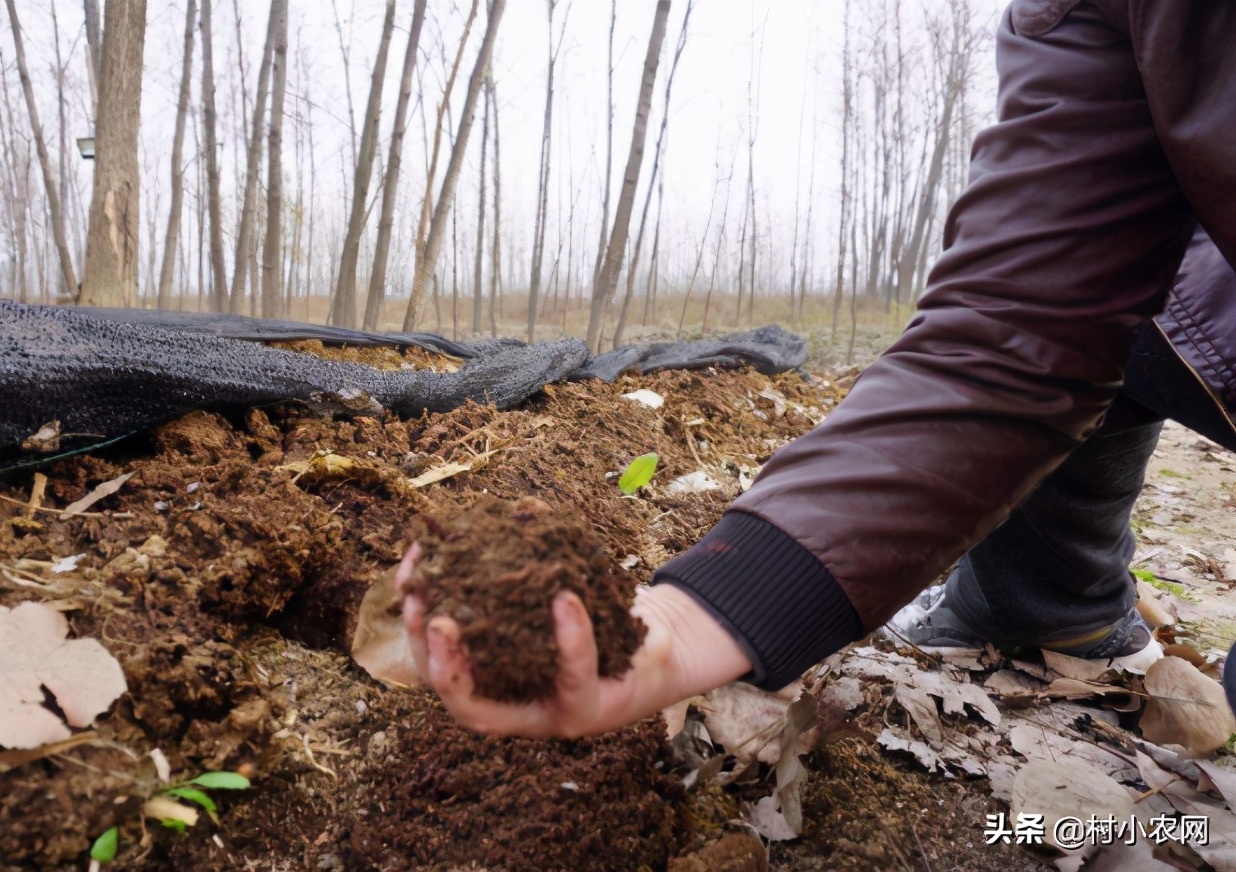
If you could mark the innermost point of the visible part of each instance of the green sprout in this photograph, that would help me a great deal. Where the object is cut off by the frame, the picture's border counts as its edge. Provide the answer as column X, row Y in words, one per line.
column 198, row 795
column 104, row 848
column 638, row 473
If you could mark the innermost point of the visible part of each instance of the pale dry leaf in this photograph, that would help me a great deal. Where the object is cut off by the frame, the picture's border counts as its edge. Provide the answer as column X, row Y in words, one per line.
column 35, row 654
column 951, row 685
column 894, row 741
column 380, row 643
column 104, row 490
column 791, row 773
column 1185, row 707
column 922, row 709
column 776, row 398
column 1221, row 779
column 1078, row 668
column 1067, row 788
column 1219, row 848
column 1138, row 857
column 1154, row 775
column 769, row 821
column 1228, row 563
column 1010, row 682
column 1150, row 605
column 1037, row 743
column 745, row 721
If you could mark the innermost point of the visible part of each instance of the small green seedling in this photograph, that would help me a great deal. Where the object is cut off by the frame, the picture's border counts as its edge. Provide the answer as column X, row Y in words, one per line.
column 1144, row 575
column 195, row 789
column 638, row 473
column 104, row 848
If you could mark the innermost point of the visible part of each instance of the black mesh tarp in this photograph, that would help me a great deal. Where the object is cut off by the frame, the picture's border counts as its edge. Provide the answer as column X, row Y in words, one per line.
column 103, row 373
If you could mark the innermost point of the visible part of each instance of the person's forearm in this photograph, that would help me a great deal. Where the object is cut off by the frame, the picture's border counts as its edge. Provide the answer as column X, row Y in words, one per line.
column 1067, row 239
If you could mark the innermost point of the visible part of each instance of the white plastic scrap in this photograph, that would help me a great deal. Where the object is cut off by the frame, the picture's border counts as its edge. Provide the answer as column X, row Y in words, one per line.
column 651, row 399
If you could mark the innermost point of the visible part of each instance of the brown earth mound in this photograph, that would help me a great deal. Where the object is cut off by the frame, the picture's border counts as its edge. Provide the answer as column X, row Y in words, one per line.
column 496, row 568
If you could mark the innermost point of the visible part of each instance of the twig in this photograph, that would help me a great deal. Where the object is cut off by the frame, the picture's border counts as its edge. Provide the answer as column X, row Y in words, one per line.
column 917, row 841
column 26, row 505
column 314, row 763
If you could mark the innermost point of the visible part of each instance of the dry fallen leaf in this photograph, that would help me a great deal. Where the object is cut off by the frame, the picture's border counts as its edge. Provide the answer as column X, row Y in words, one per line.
column 380, row 643
column 35, row 654
column 1185, row 708
column 1067, row 788
column 104, row 490
column 780, row 817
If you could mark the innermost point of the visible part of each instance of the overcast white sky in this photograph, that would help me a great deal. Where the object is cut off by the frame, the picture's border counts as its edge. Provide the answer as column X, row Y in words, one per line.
column 793, row 44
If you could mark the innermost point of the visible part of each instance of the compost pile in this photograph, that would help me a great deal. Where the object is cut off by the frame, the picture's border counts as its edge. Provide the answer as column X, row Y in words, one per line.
column 222, row 557
column 496, row 568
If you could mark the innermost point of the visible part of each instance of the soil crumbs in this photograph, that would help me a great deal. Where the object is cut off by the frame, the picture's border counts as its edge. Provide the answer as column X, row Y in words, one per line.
column 226, row 577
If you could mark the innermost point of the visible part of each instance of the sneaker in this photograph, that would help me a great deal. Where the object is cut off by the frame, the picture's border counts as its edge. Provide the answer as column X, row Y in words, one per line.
column 932, row 621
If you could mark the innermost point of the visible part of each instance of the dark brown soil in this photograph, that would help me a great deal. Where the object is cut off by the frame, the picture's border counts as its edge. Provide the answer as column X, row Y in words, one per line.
column 496, row 568
column 226, row 576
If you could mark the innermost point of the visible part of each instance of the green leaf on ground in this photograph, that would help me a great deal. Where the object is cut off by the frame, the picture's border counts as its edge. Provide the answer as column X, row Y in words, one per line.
column 638, row 473
column 104, row 848
column 221, row 781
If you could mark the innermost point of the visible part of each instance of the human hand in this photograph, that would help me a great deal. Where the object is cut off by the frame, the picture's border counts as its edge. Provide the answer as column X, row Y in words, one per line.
column 685, row 652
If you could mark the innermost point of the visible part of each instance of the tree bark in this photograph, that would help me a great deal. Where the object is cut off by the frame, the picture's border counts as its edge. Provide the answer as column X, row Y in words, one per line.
column 252, row 159
column 609, row 148
column 109, row 277
column 478, row 296
column 272, row 250
column 94, row 49
column 178, row 172
column 218, row 271
column 542, row 209
column 390, row 186
column 604, row 289
column 653, row 178
column 343, row 312
column 49, row 180
column 495, row 270
column 426, row 263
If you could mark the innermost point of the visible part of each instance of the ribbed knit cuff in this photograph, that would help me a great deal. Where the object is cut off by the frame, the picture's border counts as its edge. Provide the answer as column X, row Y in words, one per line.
column 773, row 595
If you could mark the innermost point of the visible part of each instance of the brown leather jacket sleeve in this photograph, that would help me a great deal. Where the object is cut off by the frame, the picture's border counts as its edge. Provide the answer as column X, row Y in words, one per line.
column 1114, row 136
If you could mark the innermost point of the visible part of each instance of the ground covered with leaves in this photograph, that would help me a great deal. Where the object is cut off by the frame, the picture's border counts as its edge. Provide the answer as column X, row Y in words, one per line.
column 238, row 568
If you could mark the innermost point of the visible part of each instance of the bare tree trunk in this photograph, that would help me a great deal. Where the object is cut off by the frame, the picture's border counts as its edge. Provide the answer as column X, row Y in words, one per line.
column 495, row 270
column 699, row 256
column 478, row 295
column 272, row 250
column 609, row 148
column 94, row 50
column 109, row 277
column 650, row 292
column 426, row 262
column 218, row 271
column 653, row 179
column 542, row 209
column 390, row 186
column 716, row 261
column 847, row 119
column 603, row 292
column 49, row 180
column 178, row 171
column 343, row 312
column 66, row 183
column 347, row 81
column 252, row 161
column 442, row 122
column 808, row 243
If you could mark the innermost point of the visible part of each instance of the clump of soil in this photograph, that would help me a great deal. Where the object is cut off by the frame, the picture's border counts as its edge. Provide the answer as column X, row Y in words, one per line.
column 496, row 568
